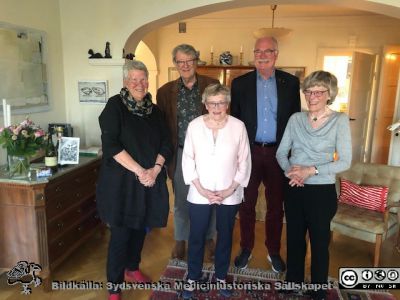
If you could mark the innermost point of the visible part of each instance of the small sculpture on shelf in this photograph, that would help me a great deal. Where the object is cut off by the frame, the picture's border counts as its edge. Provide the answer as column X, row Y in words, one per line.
column 107, row 52
column 94, row 55
column 130, row 56
column 226, row 58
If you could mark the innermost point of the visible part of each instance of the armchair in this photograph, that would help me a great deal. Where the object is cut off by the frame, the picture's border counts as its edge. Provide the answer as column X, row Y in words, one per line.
column 364, row 224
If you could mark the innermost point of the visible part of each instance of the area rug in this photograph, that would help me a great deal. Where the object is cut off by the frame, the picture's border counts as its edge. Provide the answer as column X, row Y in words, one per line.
column 251, row 284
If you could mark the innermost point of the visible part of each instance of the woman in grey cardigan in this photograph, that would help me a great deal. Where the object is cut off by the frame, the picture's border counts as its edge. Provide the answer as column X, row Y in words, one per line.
column 319, row 144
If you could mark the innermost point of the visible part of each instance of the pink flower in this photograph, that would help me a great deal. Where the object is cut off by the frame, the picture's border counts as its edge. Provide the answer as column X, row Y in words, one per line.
column 39, row 133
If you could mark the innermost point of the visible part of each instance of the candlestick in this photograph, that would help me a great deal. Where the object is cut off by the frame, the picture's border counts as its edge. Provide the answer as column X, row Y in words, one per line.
column 241, row 58
column 5, row 112
column 211, row 58
column 8, row 115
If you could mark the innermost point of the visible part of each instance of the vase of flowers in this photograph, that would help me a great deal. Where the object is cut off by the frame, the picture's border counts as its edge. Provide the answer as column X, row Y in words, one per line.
column 21, row 141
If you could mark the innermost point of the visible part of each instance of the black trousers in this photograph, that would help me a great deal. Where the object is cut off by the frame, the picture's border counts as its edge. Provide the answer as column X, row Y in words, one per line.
column 124, row 252
column 309, row 208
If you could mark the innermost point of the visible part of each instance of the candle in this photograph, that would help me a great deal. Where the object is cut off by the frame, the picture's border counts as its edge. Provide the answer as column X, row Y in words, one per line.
column 5, row 112
column 8, row 115
column 212, row 49
column 241, row 48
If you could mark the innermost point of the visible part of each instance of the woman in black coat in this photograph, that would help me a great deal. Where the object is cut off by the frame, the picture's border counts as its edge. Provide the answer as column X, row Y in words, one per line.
column 132, row 194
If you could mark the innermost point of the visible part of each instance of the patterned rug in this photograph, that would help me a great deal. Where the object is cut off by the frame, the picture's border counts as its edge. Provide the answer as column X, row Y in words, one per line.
column 250, row 284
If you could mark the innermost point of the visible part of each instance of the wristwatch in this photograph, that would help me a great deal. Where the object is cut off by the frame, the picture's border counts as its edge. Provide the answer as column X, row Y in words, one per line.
column 316, row 172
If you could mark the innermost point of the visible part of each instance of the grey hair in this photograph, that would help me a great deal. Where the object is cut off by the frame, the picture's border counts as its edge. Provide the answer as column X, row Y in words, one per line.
column 134, row 65
column 215, row 89
column 185, row 48
column 324, row 79
column 274, row 40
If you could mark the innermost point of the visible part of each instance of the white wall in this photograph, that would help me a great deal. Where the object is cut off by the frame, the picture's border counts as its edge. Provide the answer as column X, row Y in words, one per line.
column 91, row 23
column 42, row 15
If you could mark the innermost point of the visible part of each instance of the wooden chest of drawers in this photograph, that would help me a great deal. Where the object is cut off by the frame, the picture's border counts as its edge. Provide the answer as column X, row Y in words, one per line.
column 44, row 222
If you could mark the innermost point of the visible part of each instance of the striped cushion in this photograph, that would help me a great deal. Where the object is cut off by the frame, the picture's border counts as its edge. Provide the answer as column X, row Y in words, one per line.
column 366, row 196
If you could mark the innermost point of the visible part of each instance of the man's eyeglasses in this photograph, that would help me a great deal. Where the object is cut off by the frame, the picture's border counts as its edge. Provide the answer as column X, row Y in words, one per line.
column 216, row 104
column 317, row 94
column 267, row 52
column 181, row 63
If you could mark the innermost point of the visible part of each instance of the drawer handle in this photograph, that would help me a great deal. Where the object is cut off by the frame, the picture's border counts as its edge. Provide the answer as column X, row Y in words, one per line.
column 60, row 244
column 58, row 189
column 78, row 195
column 79, row 210
column 78, row 180
column 59, row 205
column 60, row 225
column 79, row 228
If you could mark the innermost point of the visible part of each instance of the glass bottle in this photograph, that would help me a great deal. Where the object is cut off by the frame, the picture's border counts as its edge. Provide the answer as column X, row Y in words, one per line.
column 59, row 134
column 50, row 158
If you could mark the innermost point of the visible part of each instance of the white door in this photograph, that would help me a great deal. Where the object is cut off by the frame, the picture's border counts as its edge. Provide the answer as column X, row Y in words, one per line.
column 360, row 92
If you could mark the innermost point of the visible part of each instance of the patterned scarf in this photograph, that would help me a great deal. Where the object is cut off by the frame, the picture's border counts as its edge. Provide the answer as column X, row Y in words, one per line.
column 139, row 108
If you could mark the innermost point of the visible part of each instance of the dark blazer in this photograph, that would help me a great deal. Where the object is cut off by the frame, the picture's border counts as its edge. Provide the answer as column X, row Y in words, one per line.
column 244, row 101
column 167, row 98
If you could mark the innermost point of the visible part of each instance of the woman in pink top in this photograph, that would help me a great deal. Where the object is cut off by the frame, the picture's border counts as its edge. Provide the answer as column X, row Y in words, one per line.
column 216, row 164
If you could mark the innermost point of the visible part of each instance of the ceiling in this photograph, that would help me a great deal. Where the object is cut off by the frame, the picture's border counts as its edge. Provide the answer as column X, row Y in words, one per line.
column 282, row 11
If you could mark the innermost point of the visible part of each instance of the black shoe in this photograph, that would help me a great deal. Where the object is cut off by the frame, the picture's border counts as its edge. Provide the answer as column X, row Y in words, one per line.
column 278, row 265
column 242, row 260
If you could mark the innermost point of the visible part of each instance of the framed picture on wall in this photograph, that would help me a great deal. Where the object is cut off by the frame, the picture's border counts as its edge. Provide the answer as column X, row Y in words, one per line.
column 299, row 72
column 68, row 151
column 95, row 92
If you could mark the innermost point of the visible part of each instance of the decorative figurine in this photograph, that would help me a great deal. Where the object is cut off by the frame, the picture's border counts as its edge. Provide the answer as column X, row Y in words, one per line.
column 226, row 58
column 130, row 56
column 94, row 55
column 107, row 52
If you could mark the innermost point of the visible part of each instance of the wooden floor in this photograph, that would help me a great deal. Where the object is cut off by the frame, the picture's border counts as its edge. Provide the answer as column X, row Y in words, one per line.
column 88, row 263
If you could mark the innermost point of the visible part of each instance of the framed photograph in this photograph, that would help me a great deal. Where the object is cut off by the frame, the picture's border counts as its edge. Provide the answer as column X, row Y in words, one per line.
column 299, row 72
column 95, row 92
column 68, row 151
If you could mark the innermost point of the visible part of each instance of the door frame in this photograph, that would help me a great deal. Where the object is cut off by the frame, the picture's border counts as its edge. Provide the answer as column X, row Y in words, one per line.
column 319, row 62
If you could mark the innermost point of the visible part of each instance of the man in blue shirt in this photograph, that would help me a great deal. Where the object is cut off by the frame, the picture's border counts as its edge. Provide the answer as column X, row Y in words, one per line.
column 264, row 100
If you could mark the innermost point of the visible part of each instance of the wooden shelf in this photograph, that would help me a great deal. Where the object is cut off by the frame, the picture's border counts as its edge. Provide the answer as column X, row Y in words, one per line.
column 106, row 61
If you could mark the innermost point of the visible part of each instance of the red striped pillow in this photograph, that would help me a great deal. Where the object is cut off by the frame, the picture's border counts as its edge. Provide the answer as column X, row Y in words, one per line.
column 366, row 196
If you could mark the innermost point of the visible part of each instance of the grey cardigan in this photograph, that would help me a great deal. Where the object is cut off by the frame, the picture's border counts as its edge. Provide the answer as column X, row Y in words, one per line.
column 316, row 147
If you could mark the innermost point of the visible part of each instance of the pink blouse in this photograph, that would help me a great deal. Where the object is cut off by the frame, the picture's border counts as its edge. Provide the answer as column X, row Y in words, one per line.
column 217, row 164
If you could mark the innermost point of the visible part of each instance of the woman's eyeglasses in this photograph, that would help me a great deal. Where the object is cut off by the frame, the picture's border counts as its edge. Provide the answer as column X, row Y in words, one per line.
column 216, row 104
column 317, row 94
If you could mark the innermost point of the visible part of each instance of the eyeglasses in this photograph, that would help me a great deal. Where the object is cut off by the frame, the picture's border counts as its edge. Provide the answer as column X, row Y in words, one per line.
column 317, row 94
column 181, row 63
column 137, row 81
column 216, row 104
column 267, row 52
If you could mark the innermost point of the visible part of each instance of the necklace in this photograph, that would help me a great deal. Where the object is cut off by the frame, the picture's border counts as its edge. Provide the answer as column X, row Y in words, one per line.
column 316, row 118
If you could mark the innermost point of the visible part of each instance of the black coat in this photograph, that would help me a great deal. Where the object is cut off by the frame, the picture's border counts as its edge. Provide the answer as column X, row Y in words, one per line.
column 121, row 199
column 244, row 101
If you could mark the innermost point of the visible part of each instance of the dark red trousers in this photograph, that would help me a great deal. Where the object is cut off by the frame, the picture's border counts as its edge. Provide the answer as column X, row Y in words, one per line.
column 264, row 169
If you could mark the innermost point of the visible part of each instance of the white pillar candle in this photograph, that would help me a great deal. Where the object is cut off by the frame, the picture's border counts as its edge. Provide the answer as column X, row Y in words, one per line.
column 5, row 112
column 8, row 115
column 241, row 48
column 212, row 49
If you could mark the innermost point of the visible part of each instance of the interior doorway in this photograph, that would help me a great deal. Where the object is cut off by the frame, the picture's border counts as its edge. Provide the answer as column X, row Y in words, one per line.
column 355, row 72
column 383, row 139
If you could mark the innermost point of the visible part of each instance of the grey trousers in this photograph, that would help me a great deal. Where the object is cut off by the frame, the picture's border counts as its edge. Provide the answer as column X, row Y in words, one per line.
column 181, row 205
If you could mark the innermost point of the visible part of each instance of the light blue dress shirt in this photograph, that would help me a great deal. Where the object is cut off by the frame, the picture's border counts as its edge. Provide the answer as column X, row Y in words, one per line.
column 267, row 107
